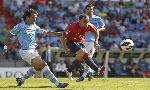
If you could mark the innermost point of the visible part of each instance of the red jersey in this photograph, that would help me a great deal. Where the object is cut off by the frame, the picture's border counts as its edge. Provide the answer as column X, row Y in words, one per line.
column 75, row 33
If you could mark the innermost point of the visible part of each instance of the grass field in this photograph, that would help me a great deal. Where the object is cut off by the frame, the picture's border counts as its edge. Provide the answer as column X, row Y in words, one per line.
column 95, row 84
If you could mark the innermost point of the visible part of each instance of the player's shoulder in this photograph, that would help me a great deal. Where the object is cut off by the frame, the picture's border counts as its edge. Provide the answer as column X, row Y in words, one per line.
column 97, row 17
column 21, row 24
column 18, row 25
column 91, row 25
column 73, row 24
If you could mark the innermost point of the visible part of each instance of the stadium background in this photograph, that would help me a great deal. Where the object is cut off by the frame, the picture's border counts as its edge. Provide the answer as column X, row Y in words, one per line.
column 123, row 19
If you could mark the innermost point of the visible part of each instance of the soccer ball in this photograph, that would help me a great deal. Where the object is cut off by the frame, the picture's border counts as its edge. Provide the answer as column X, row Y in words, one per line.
column 127, row 44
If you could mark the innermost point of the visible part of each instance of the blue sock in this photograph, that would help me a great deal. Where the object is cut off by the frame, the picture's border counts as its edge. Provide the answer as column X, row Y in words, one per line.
column 49, row 75
column 90, row 62
column 29, row 73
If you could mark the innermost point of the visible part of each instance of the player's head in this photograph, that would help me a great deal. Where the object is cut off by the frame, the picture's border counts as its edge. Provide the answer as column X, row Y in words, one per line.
column 83, row 19
column 89, row 9
column 30, row 15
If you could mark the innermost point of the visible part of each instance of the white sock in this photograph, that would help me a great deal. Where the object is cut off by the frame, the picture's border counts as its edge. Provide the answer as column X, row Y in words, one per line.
column 29, row 73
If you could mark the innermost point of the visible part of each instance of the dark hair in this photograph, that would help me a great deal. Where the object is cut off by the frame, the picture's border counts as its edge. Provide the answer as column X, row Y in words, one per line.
column 28, row 13
column 81, row 16
column 89, row 5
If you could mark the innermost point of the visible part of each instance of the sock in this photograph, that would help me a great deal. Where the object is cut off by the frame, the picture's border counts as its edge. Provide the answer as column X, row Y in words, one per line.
column 49, row 75
column 73, row 66
column 85, row 73
column 90, row 62
column 29, row 73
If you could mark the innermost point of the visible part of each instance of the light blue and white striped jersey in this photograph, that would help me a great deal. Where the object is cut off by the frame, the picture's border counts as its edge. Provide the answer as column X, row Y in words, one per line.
column 97, row 22
column 26, row 34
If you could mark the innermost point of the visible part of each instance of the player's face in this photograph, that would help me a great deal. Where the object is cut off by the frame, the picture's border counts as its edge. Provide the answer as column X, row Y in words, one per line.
column 89, row 10
column 84, row 21
column 32, row 18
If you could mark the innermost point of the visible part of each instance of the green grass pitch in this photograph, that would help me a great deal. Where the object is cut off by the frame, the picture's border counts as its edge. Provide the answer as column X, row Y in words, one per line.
column 95, row 84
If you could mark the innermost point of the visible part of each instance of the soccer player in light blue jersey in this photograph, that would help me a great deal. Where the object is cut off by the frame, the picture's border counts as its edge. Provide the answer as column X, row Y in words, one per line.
column 26, row 32
column 89, row 39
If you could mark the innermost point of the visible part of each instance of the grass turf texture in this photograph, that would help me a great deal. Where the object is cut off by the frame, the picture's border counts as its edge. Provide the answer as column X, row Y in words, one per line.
column 95, row 84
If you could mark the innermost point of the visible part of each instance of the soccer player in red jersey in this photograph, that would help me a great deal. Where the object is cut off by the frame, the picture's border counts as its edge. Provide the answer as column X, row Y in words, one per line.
column 73, row 41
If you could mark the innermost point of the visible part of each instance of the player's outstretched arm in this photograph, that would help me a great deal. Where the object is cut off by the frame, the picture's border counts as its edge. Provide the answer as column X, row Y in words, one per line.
column 6, row 43
column 52, row 33
column 101, row 29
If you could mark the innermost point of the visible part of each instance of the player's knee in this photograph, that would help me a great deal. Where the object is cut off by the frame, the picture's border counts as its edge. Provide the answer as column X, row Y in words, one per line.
column 81, row 53
column 80, row 56
column 39, row 66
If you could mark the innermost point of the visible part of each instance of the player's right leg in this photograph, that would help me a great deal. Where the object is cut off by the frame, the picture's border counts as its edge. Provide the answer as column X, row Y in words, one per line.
column 79, row 50
column 88, row 60
column 29, row 73
column 27, row 55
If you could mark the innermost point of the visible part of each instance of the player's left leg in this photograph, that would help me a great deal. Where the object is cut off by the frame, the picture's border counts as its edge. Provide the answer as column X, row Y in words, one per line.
column 29, row 73
column 87, row 71
column 70, row 69
column 89, row 46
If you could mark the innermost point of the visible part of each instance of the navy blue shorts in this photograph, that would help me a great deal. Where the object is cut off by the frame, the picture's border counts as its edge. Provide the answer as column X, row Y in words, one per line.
column 74, row 46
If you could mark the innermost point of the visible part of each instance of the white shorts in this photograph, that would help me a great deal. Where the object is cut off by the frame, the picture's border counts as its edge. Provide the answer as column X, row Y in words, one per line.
column 89, row 46
column 28, row 55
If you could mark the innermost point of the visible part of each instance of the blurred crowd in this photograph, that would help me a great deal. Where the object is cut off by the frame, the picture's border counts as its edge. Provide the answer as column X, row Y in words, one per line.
column 123, row 20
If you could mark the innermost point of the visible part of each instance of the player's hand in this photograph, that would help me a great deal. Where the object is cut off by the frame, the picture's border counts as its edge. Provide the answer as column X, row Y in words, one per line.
column 102, row 29
column 97, row 46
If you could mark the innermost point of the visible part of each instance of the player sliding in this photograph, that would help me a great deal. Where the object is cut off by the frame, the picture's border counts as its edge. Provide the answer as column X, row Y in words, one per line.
column 26, row 32
column 73, row 41
column 89, row 39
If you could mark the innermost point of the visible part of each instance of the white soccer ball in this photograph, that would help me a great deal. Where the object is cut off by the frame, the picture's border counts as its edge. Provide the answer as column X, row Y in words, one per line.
column 127, row 44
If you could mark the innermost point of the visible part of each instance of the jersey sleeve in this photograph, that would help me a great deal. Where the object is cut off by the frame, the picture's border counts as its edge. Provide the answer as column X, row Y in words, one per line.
column 101, row 22
column 15, row 30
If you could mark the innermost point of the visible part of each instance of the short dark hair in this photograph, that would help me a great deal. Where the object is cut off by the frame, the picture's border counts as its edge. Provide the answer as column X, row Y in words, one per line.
column 89, row 5
column 81, row 16
column 28, row 12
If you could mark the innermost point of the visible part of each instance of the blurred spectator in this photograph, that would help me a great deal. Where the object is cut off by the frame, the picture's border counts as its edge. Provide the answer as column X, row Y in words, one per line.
column 114, row 46
column 60, row 69
column 118, row 67
column 132, row 69
column 143, row 65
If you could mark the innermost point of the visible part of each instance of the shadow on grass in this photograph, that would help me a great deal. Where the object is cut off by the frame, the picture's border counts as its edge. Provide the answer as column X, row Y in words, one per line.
column 27, row 87
column 35, row 87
